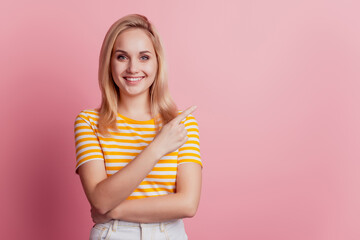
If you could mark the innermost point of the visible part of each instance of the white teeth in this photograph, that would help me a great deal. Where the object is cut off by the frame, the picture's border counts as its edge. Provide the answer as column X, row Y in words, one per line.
column 133, row 79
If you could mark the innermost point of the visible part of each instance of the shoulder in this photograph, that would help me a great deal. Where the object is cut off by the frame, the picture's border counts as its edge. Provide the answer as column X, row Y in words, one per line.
column 87, row 115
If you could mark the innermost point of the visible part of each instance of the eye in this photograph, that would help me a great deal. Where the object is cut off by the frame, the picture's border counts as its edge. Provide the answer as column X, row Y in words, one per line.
column 121, row 57
column 145, row 57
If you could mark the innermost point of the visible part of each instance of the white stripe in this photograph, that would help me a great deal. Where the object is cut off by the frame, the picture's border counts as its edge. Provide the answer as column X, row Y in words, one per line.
column 193, row 132
column 165, row 165
column 120, row 164
column 89, row 154
column 123, row 164
column 136, row 131
column 85, row 142
column 119, row 157
column 149, row 139
column 191, row 121
column 147, row 186
column 168, row 180
column 189, row 157
column 88, row 148
column 84, row 131
column 193, row 139
column 83, row 118
column 168, row 158
column 190, row 145
column 141, row 144
column 86, row 136
column 189, row 151
column 150, row 126
column 93, row 115
column 149, row 193
column 81, row 124
column 162, row 173
column 121, row 150
column 160, row 180
column 81, row 143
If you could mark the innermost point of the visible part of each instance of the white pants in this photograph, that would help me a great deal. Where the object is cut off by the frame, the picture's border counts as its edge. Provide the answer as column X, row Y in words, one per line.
column 123, row 230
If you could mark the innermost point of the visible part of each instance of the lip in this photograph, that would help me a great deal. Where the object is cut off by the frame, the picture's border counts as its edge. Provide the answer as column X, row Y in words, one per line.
column 133, row 76
column 133, row 82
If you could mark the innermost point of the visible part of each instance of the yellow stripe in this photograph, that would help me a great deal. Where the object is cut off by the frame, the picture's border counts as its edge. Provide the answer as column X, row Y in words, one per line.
column 167, row 161
column 136, row 197
column 193, row 136
column 117, row 168
column 133, row 154
column 192, row 142
column 87, row 145
column 121, row 153
column 90, row 151
column 85, row 133
column 122, row 147
column 189, row 155
column 133, row 134
column 137, row 128
column 124, row 140
column 156, row 182
column 189, row 148
column 129, row 160
column 191, row 124
column 83, row 127
column 77, row 121
column 193, row 130
column 153, row 190
column 118, row 160
column 85, row 140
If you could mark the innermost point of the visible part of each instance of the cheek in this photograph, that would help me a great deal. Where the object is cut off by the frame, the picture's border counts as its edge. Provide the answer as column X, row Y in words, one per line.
column 152, row 68
column 116, row 69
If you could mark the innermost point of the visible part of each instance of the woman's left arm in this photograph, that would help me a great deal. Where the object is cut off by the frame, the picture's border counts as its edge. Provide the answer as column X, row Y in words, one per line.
column 182, row 204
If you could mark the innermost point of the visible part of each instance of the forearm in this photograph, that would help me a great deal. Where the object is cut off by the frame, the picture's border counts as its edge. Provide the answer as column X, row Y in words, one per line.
column 152, row 209
column 112, row 191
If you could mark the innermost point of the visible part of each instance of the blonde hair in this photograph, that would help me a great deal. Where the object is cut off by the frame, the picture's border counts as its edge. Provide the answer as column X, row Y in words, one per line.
column 163, row 108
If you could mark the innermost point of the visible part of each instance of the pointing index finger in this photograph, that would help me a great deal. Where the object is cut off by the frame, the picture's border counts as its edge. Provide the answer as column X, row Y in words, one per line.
column 184, row 114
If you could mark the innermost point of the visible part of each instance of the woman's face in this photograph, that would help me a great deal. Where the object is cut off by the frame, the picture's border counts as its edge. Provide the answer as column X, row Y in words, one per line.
column 133, row 62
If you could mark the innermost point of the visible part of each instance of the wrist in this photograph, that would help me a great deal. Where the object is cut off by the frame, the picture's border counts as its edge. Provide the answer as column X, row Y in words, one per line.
column 155, row 150
column 114, row 213
column 110, row 214
column 118, row 212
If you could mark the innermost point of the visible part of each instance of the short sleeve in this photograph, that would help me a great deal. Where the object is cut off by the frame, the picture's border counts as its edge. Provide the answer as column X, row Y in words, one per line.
column 86, row 142
column 190, row 151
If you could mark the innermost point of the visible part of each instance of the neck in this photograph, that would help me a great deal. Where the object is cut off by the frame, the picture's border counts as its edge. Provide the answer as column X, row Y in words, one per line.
column 135, row 105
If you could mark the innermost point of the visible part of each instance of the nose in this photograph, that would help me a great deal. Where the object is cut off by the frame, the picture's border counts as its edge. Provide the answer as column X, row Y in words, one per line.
column 132, row 67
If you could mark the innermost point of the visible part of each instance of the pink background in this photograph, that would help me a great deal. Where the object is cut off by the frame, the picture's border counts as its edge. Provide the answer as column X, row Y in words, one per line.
column 277, row 89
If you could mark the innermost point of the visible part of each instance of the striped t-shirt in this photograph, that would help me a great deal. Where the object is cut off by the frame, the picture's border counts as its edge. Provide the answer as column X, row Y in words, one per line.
column 123, row 146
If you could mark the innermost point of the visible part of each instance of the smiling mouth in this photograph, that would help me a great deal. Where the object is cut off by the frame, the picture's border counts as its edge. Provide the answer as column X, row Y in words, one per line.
column 133, row 79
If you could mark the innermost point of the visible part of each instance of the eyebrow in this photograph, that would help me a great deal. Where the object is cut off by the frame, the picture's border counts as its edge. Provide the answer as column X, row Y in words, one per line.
column 142, row 52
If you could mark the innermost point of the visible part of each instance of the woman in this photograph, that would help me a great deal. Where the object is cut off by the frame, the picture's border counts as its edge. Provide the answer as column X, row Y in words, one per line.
column 139, row 186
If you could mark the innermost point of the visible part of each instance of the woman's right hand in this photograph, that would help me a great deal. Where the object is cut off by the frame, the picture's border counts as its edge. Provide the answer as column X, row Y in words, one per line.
column 173, row 134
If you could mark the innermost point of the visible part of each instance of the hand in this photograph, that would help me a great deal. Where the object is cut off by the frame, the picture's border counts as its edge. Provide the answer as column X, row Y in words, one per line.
column 98, row 217
column 173, row 134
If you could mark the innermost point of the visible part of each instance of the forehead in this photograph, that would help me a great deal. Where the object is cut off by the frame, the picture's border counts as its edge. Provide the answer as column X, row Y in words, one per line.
column 133, row 40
